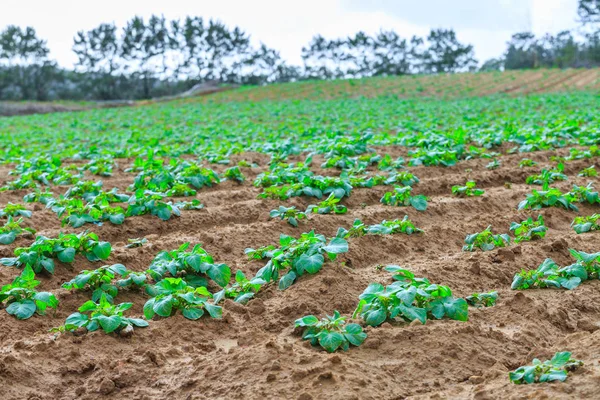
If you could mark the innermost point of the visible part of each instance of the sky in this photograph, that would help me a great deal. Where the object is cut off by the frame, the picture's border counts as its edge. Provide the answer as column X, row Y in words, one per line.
column 288, row 26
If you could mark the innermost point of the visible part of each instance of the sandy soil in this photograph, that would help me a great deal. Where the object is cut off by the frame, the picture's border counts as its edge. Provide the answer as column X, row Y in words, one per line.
column 254, row 352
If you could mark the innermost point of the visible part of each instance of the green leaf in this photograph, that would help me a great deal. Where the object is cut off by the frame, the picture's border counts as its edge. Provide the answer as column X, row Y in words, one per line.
column 149, row 308
column 311, row 264
column 220, row 273
column 287, row 280
column 140, row 323
column 77, row 319
column 163, row 306
column 102, row 250
column 67, row 255
column 192, row 313
column 419, row 202
column 412, row 313
column 213, row 310
column 354, row 334
column 336, row 246
column 22, row 309
column 308, row 320
column 109, row 324
column 8, row 238
column 375, row 317
column 330, row 341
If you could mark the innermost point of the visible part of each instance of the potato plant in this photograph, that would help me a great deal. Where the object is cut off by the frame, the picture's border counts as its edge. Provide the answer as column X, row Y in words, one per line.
column 102, row 315
column 189, row 264
column 555, row 369
column 586, row 223
column 41, row 254
column 469, row 190
column 289, row 214
column 588, row 172
column 584, row 194
column 234, row 174
column 15, row 210
column 11, row 229
column 547, row 177
column 526, row 162
column 408, row 298
column 549, row 197
column 21, row 299
column 327, row 206
column 331, row 333
column 295, row 257
column 172, row 294
column 99, row 281
column 485, row 240
column 482, row 299
column 401, row 197
column 242, row 291
column 529, row 229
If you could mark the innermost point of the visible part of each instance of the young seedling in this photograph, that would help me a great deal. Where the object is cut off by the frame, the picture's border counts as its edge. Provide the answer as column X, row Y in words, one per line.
column 588, row 172
column 555, row 369
column 331, row 332
column 526, row 162
column 402, row 178
column 586, row 223
column 327, row 206
column 99, row 281
column 190, row 264
column 482, row 299
column 485, row 240
column 12, row 229
column 549, row 197
column 241, row 291
column 547, row 176
column 468, row 190
column 493, row 164
column 583, row 194
column 261, row 253
column 529, row 229
column 404, row 225
column 22, row 300
column 408, row 298
column 358, row 229
column 289, row 214
column 41, row 253
column 401, row 197
column 173, row 294
column 15, row 210
column 137, row 242
column 296, row 257
column 234, row 174
column 102, row 315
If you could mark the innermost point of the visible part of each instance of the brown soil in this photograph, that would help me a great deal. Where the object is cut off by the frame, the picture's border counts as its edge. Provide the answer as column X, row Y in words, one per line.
column 254, row 352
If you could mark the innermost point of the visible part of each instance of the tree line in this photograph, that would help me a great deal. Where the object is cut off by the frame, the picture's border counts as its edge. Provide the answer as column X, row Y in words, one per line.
column 158, row 57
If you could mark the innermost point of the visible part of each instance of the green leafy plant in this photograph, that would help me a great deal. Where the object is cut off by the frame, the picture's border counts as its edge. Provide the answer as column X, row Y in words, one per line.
column 404, row 225
column 555, row 369
column 358, row 229
column 261, row 253
column 173, row 294
column 583, row 194
column 549, row 197
column 529, row 229
column 298, row 256
column 401, row 197
column 15, row 210
column 99, row 281
column 289, row 214
column 548, row 176
column 12, row 229
column 408, row 298
column 190, row 264
column 482, row 299
column 586, row 223
column 41, row 253
column 589, row 172
column 468, row 190
column 550, row 274
column 102, row 315
column 331, row 332
column 493, row 164
column 234, row 174
column 242, row 290
column 327, row 206
column 485, row 240
column 526, row 162
column 22, row 300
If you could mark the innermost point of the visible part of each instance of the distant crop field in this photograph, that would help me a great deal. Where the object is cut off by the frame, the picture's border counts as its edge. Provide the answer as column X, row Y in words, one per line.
column 368, row 239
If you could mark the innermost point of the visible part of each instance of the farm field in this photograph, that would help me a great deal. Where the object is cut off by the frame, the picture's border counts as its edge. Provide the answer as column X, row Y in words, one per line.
column 215, row 173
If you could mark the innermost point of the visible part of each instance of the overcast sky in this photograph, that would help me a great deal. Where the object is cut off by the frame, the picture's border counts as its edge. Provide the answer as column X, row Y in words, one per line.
column 287, row 26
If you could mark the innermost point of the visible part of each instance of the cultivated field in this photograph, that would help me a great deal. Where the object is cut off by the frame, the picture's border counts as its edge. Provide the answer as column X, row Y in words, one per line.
column 211, row 171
